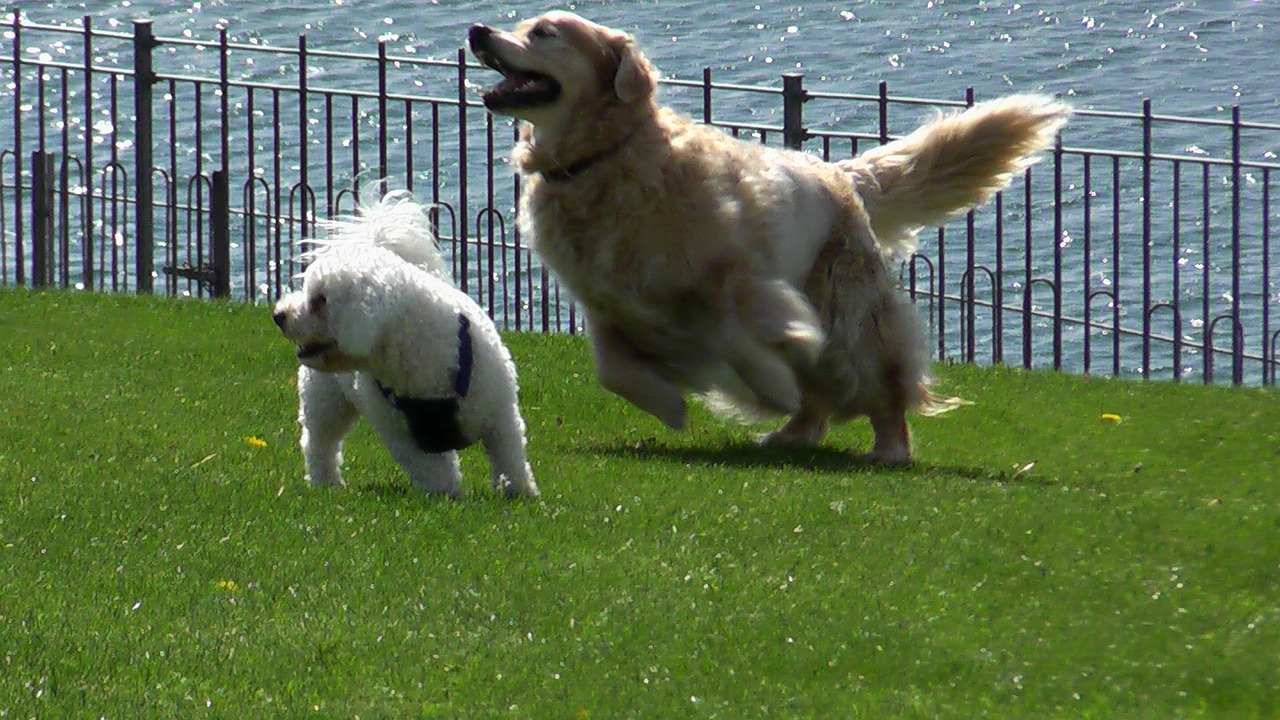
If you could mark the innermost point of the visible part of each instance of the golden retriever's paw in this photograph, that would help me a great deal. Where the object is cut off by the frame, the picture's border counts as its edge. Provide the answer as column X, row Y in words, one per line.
column 794, row 440
column 806, row 429
column 675, row 418
column 894, row 458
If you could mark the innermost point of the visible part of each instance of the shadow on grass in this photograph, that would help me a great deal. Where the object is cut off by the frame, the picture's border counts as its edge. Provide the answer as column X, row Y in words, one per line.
column 743, row 454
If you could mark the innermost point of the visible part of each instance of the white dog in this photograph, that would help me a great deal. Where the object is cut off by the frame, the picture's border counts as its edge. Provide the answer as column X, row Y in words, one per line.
column 381, row 333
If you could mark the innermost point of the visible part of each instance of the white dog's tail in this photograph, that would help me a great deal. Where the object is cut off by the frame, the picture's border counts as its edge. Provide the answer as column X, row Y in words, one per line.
column 396, row 222
column 952, row 164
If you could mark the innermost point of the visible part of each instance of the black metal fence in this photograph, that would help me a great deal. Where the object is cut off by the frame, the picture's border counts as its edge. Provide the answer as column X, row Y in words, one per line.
column 1142, row 246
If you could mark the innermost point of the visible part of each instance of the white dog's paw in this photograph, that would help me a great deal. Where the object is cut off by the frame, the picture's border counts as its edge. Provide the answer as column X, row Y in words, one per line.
column 439, row 487
column 522, row 486
column 326, row 480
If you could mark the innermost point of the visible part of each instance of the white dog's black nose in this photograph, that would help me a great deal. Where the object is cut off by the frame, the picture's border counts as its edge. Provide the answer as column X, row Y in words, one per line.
column 279, row 317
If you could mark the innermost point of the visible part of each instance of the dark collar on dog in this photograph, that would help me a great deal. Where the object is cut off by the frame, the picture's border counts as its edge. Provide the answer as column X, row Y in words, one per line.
column 434, row 422
column 565, row 174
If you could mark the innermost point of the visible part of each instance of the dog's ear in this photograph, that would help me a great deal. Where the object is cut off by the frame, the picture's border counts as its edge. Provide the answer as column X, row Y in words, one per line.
column 355, row 324
column 634, row 78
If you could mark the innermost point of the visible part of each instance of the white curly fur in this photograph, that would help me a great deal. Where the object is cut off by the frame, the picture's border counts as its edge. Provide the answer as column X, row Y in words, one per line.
column 375, row 303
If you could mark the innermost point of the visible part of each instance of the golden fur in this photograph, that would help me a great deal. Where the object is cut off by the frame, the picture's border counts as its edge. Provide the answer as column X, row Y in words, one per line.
column 760, row 278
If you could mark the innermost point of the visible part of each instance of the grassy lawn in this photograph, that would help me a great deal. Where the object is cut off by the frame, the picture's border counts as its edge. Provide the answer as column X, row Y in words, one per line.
column 1037, row 562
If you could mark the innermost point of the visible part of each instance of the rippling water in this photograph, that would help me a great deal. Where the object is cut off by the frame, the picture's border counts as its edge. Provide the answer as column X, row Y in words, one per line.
column 1192, row 57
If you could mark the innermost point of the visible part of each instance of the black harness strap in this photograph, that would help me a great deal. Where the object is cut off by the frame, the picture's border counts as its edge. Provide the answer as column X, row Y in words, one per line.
column 433, row 422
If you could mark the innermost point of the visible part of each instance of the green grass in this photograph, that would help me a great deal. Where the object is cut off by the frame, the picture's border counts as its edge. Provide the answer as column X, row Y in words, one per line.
column 154, row 563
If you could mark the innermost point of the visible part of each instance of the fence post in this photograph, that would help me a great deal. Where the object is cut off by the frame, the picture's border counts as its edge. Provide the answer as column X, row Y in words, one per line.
column 144, row 77
column 793, row 98
column 220, row 233
column 42, row 232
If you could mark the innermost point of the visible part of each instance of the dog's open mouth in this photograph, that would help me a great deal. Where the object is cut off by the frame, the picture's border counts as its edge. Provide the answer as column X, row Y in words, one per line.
column 518, row 88
column 313, row 350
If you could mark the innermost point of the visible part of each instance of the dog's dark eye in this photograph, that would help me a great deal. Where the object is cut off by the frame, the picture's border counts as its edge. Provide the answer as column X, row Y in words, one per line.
column 318, row 302
column 542, row 31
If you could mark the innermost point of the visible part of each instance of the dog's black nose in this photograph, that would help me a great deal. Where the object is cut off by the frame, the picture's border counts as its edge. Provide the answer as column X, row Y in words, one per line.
column 478, row 34
column 279, row 317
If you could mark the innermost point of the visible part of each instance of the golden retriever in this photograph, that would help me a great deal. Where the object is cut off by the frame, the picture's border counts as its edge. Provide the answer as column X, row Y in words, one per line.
column 759, row 278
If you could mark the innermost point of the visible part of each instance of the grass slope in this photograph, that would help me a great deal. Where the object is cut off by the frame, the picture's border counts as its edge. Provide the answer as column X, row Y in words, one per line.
column 156, row 563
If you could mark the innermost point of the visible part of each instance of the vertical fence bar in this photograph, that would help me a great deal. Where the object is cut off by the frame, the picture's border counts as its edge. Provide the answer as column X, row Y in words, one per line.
column 19, row 251
column 1087, row 181
column 144, row 41
column 1177, row 270
column 1268, row 353
column 970, row 338
column 484, row 280
column 42, row 230
column 171, row 255
column 304, row 143
column 942, row 294
column 460, row 243
column 884, row 111
column 1115, row 265
column 1057, row 252
column 382, row 115
column 86, row 251
column 64, row 207
column 119, row 206
column 275, row 194
column 997, row 318
column 1146, row 238
column 706, row 95
column 793, row 99
column 1028, row 304
column 220, row 207
column 1237, row 330
column 1206, row 265
column 329, row 161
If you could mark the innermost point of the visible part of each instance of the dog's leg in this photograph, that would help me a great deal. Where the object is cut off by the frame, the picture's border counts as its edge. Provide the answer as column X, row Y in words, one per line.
column 504, row 443
column 893, row 439
column 763, row 369
column 432, row 473
column 806, row 429
column 621, row 372
column 326, row 416
column 771, row 334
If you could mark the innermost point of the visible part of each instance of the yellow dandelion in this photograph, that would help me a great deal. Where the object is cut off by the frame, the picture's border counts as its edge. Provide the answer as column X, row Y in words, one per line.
column 1111, row 417
column 256, row 442
column 228, row 585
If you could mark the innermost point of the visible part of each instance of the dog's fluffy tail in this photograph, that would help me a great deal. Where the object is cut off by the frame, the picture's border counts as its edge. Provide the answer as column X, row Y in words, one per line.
column 952, row 164
column 396, row 221
column 932, row 404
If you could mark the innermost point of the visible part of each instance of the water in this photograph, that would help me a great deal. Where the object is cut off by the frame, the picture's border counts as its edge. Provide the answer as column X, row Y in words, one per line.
column 1192, row 58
